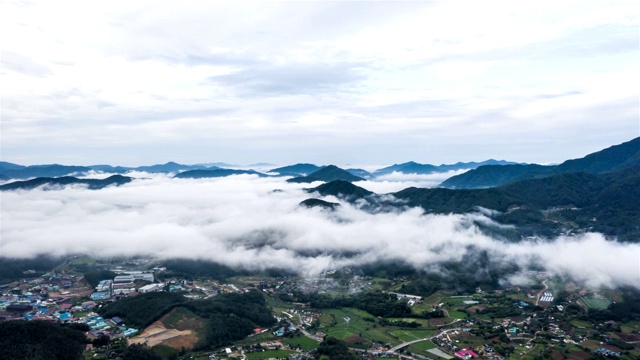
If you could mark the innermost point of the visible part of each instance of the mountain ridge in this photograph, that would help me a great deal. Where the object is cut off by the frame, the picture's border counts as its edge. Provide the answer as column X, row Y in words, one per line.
column 613, row 158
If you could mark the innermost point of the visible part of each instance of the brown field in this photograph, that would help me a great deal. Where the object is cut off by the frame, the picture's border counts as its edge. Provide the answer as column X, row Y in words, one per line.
column 183, row 335
column 472, row 310
column 355, row 339
column 157, row 334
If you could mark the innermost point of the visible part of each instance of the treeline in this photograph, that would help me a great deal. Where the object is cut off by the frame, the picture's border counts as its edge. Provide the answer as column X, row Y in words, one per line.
column 40, row 340
column 192, row 269
column 227, row 317
column 625, row 311
column 95, row 276
column 144, row 309
column 375, row 303
column 334, row 349
column 13, row 269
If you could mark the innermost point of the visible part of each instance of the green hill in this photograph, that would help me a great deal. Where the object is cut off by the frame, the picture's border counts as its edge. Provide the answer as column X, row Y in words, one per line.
column 326, row 174
column 341, row 189
column 92, row 184
column 310, row 203
column 296, row 170
column 600, row 202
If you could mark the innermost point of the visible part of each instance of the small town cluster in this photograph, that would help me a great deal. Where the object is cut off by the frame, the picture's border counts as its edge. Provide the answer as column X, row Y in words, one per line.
column 513, row 322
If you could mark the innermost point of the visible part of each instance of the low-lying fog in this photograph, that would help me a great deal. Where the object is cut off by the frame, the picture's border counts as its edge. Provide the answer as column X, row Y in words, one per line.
column 242, row 222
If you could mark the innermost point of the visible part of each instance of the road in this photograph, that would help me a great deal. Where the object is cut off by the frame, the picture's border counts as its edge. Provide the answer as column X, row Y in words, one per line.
column 398, row 347
column 542, row 292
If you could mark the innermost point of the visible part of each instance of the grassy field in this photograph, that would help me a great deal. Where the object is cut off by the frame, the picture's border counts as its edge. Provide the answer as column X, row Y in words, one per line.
column 580, row 323
column 423, row 345
column 595, row 303
column 409, row 335
column 304, row 342
column 454, row 314
column 268, row 354
column 333, row 324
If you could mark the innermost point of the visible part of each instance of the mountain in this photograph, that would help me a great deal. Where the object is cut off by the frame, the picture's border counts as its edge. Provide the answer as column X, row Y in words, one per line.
column 296, row 170
column 412, row 167
column 9, row 166
column 216, row 165
column 214, row 173
column 319, row 203
column 35, row 171
column 341, row 189
column 169, row 167
column 326, row 174
column 111, row 169
column 493, row 175
column 407, row 168
column 613, row 158
column 605, row 202
column 361, row 173
column 93, row 184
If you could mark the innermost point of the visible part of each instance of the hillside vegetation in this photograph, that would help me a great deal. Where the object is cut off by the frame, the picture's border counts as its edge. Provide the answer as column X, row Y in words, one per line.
column 227, row 317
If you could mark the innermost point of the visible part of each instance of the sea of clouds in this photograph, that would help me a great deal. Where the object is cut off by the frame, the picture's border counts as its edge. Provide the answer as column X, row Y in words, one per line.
column 242, row 222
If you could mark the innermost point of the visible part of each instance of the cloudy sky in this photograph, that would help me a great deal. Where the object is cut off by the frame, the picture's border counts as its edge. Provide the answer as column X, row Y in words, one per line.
column 134, row 83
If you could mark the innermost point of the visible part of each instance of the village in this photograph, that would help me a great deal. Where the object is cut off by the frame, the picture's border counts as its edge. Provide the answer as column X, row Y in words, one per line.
column 513, row 322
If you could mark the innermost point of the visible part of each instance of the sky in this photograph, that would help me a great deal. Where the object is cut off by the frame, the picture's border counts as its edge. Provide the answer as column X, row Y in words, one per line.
column 138, row 83
column 240, row 221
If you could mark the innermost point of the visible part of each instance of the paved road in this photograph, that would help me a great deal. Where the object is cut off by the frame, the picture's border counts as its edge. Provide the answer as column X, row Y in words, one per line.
column 398, row 347
column 542, row 292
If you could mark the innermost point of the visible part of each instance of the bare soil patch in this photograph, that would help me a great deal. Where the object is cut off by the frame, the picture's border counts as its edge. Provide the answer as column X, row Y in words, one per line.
column 184, row 333
column 157, row 334
column 355, row 339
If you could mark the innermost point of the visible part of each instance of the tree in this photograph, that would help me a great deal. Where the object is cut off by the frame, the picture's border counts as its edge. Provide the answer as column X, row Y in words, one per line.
column 139, row 352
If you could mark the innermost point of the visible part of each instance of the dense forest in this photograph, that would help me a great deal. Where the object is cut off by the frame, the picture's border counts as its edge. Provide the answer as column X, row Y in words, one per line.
column 13, row 269
column 334, row 349
column 191, row 269
column 39, row 340
column 227, row 317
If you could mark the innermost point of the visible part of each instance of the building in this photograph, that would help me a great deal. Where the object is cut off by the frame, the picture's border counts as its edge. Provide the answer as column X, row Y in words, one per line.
column 466, row 354
column 129, row 278
column 151, row 288
column 415, row 298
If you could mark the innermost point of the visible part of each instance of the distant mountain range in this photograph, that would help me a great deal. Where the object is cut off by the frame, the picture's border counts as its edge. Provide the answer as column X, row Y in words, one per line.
column 327, row 173
column 599, row 192
column 416, row 168
column 296, row 170
column 613, row 158
column 92, row 184
column 215, row 173
column 15, row 171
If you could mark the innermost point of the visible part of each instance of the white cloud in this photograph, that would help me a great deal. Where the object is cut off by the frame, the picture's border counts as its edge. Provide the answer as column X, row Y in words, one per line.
column 240, row 221
column 278, row 82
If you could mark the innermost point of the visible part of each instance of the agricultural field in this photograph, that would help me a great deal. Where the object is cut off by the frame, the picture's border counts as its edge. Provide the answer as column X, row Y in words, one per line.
column 333, row 324
column 410, row 335
column 304, row 342
column 270, row 354
column 596, row 303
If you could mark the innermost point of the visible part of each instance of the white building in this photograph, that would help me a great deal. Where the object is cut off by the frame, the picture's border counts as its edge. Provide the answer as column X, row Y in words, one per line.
column 151, row 288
